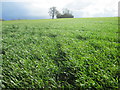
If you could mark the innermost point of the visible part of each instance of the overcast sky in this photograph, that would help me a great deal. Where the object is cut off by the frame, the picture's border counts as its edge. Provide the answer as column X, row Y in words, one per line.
column 38, row 9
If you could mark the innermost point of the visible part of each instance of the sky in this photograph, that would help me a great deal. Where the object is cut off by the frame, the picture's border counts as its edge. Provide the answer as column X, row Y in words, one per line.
column 38, row 9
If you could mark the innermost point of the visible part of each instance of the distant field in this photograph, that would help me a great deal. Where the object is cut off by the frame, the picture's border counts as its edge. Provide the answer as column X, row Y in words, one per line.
column 61, row 53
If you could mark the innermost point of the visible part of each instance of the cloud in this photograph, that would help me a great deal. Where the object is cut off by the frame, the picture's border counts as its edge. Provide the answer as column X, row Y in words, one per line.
column 80, row 8
column 94, row 8
column 43, row 6
column 119, row 9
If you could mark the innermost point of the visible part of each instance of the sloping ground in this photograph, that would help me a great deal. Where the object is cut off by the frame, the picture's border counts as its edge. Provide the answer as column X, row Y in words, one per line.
column 61, row 53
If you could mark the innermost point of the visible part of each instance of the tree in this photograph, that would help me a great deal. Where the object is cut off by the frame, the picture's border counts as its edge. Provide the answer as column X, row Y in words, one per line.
column 66, row 11
column 66, row 14
column 2, row 20
column 52, row 12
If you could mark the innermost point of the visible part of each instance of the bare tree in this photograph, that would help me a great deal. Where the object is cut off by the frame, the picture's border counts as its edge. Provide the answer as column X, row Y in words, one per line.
column 66, row 11
column 52, row 12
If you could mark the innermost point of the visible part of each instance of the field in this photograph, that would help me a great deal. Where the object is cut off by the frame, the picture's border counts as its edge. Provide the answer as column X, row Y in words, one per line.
column 61, row 53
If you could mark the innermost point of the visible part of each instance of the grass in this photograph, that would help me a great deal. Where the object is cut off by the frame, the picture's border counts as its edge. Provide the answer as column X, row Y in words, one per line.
column 61, row 53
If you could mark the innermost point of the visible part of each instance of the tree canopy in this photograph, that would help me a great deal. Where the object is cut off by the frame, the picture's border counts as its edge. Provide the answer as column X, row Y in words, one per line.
column 66, row 14
column 52, row 12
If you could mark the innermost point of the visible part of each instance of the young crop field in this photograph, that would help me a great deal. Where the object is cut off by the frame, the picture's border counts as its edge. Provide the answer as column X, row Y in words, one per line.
column 60, row 53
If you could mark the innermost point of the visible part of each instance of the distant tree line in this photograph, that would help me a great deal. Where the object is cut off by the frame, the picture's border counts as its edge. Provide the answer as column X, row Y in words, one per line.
column 2, row 20
column 65, row 14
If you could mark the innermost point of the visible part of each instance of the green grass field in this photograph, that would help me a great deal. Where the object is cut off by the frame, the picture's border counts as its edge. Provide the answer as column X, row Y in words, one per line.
column 61, row 53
